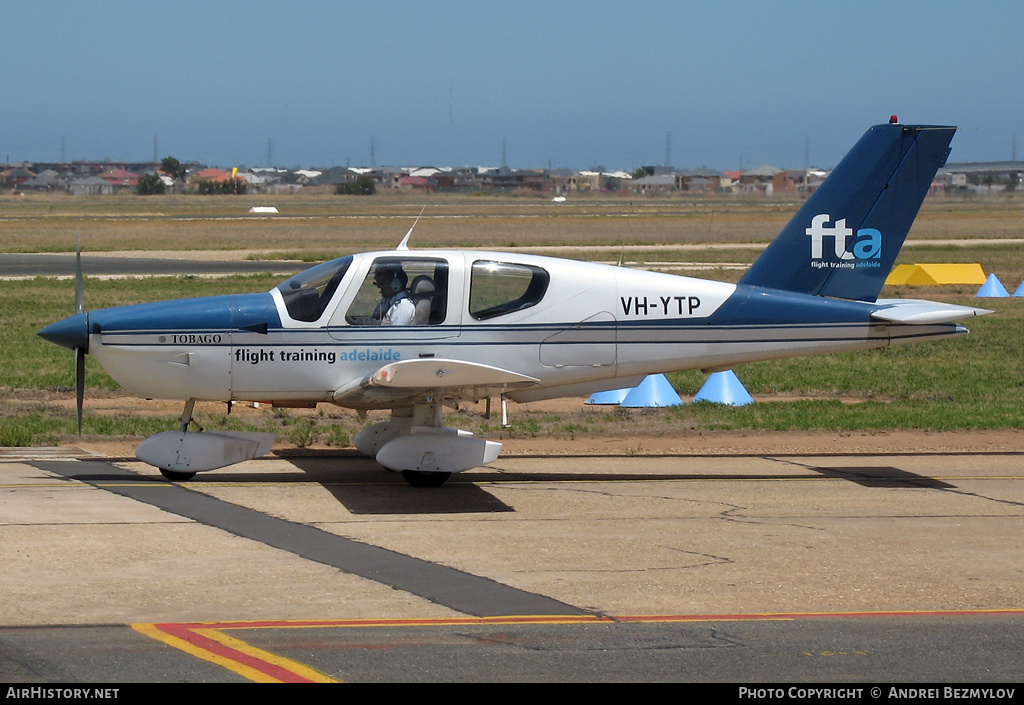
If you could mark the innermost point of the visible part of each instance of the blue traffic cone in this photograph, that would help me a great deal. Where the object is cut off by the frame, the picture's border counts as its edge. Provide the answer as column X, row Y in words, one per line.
column 1020, row 290
column 992, row 288
column 724, row 388
column 612, row 396
column 655, row 390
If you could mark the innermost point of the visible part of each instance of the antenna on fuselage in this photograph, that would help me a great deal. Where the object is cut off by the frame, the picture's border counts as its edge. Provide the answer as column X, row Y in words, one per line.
column 404, row 244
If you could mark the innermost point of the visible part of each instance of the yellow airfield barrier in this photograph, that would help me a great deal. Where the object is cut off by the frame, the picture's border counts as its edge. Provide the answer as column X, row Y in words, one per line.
column 936, row 274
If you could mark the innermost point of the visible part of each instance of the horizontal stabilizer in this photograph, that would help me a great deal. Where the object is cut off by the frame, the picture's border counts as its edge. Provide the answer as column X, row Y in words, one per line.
column 918, row 312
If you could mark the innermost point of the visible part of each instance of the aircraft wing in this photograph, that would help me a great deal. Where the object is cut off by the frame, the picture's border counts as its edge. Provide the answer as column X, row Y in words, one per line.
column 918, row 312
column 433, row 378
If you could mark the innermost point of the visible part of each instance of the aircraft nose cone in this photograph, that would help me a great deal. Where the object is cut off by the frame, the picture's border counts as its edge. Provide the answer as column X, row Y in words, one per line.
column 72, row 332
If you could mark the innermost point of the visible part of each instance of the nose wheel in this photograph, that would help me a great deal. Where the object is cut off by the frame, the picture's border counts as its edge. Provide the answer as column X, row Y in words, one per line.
column 420, row 478
column 177, row 475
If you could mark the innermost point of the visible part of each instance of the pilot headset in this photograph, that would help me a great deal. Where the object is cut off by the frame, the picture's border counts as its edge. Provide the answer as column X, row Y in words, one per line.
column 396, row 284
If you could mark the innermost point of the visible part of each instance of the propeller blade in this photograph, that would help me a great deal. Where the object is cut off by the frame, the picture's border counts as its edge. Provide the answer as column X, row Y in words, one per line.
column 79, row 352
column 79, row 384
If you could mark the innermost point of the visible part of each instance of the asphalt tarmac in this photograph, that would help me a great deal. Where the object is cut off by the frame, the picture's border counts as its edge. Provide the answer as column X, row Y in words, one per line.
column 870, row 568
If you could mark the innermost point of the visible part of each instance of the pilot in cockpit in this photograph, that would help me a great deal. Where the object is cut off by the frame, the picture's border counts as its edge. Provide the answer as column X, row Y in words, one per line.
column 396, row 307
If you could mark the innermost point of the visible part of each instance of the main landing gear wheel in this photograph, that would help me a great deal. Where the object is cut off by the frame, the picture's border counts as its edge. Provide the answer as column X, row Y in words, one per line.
column 177, row 475
column 420, row 478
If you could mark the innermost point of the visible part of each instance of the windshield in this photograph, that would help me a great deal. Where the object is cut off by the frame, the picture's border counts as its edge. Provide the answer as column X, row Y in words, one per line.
column 307, row 294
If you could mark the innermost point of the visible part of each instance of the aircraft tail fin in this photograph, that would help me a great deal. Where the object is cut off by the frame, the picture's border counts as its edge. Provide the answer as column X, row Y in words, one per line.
column 845, row 238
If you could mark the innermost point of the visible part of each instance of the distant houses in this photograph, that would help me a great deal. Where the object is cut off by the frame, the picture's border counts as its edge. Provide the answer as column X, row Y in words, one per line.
column 46, row 180
column 15, row 177
column 90, row 186
column 104, row 178
column 78, row 178
column 120, row 178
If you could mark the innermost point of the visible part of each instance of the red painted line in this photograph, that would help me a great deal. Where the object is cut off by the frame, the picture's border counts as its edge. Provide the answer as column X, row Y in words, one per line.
column 283, row 670
column 573, row 619
column 814, row 615
column 441, row 621
column 186, row 632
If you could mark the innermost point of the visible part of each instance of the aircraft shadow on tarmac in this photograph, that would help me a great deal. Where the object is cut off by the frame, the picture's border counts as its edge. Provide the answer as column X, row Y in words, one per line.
column 867, row 476
column 883, row 477
column 357, row 483
column 360, row 485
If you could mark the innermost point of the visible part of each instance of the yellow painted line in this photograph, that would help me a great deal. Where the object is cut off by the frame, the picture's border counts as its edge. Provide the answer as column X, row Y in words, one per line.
column 207, row 640
column 80, row 485
column 302, row 671
column 49, row 482
column 209, row 644
column 76, row 484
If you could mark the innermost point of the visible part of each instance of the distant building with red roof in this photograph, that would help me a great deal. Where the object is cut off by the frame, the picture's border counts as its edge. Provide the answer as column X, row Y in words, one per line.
column 209, row 175
column 121, row 178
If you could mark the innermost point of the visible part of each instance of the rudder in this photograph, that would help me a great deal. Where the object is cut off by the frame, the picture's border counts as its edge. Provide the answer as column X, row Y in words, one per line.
column 844, row 240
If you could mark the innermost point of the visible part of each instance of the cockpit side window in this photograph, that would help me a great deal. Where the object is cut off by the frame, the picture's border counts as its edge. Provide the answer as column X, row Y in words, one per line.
column 497, row 288
column 401, row 291
column 307, row 294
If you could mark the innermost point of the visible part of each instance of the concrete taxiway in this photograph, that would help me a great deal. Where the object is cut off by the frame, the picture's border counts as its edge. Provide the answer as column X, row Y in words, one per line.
column 88, row 540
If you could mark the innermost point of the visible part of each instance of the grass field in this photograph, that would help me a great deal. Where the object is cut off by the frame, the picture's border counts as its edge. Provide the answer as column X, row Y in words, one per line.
column 37, row 223
column 970, row 382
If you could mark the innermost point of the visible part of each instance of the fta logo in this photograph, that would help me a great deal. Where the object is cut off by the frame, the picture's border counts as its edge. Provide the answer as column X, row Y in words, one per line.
column 864, row 250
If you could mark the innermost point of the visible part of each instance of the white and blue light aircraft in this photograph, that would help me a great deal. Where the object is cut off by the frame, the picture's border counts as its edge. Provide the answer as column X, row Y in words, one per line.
column 473, row 325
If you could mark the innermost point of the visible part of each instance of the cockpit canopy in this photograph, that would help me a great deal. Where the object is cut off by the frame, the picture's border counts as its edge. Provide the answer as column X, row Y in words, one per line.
column 496, row 288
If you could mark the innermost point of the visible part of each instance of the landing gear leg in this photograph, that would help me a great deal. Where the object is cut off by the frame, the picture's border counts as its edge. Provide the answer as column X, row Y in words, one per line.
column 186, row 419
column 426, row 415
column 186, row 415
column 424, row 451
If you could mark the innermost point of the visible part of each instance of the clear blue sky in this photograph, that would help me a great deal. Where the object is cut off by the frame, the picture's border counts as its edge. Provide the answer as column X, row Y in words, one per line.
column 578, row 84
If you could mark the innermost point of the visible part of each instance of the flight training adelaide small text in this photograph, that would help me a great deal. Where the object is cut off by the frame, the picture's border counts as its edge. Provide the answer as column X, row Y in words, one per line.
column 255, row 356
column 877, row 693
